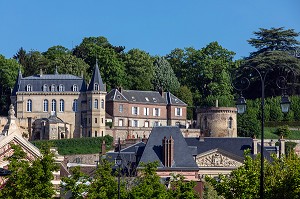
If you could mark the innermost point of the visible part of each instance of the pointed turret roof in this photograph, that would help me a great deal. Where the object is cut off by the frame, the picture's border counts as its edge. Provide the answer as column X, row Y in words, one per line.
column 96, row 80
column 17, row 84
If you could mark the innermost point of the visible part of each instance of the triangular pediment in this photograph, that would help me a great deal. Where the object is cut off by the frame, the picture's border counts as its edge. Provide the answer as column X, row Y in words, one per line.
column 218, row 158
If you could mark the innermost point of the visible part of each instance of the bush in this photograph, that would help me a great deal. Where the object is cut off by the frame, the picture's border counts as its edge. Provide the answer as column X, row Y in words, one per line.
column 283, row 131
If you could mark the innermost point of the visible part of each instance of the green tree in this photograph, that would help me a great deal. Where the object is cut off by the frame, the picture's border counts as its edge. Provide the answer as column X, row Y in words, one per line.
column 185, row 94
column 77, row 185
column 283, row 131
column 55, row 52
column 281, row 179
column 274, row 39
column 164, row 76
column 139, row 69
column 29, row 180
column 248, row 124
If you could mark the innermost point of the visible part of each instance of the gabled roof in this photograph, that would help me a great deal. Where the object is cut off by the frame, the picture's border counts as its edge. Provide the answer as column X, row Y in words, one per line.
column 96, row 79
column 144, row 97
column 183, row 158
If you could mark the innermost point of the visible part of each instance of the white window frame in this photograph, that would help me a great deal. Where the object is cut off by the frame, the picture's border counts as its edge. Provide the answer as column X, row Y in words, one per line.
column 156, row 112
column 45, row 105
column 135, row 123
column 29, row 88
column 121, row 108
column 75, row 105
column 53, row 88
column 120, row 122
column 61, row 88
column 135, row 110
column 146, row 124
column 61, row 105
column 178, row 110
column 96, row 104
column 53, row 105
column 96, row 87
column 29, row 105
column 102, row 103
column 146, row 111
column 45, row 87
column 75, row 88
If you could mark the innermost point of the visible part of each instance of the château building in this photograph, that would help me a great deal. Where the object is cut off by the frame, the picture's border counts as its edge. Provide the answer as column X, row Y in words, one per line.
column 55, row 106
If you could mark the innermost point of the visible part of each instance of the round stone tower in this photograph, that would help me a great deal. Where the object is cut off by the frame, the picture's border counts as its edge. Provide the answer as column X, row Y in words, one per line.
column 217, row 121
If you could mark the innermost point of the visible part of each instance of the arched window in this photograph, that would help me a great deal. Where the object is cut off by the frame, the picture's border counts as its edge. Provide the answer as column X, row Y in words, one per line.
column 53, row 106
column 61, row 105
column 75, row 105
column 96, row 104
column 45, row 87
column 45, row 105
column 75, row 88
column 230, row 123
column 96, row 87
column 28, row 88
column 96, row 133
column 102, row 103
column 61, row 88
column 53, row 87
column 29, row 105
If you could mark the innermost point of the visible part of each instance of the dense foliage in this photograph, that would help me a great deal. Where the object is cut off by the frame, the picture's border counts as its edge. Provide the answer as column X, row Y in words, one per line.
column 104, row 184
column 29, row 179
column 281, row 179
column 86, row 145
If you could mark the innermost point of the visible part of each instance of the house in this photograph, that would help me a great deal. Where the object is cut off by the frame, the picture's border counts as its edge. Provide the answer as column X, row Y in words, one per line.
column 192, row 157
column 55, row 106
column 12, row 134
column 134, row 113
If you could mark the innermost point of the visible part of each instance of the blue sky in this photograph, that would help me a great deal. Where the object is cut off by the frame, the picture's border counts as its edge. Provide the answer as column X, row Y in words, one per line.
column 154, row 26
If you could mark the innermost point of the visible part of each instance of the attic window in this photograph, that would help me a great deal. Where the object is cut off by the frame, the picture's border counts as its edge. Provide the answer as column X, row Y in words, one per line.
column 133, row 98
column 118, row 96
column 53, row 87
column 96, row 87
column 29, row 88
column 75, row 88
column 45, row 87
column 154, row 99
column 147, row 99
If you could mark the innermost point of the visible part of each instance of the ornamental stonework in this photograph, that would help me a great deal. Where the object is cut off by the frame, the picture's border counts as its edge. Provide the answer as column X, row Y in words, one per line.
column 216, row 160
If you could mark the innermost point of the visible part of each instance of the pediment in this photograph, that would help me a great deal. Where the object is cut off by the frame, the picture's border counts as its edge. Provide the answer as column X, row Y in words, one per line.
column 218, row 158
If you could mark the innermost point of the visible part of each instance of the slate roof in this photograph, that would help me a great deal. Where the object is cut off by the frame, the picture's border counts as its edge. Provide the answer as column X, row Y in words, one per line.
column 96, row 79
column 38, row 81
column 183, row 158
column 144, row 97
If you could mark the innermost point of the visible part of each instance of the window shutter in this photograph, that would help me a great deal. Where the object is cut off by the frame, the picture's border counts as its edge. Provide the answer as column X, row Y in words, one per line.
column 159, row 112
column 175, row 111
column 145, row 111
column 138, row 110
column 132, row 110
column 153, row 111
column 180, row 111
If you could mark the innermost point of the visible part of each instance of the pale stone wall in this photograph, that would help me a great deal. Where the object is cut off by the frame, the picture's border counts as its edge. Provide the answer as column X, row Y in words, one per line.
column 218, row 121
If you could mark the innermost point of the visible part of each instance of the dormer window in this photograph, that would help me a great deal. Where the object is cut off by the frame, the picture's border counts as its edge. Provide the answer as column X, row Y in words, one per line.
column 75, row 88
column 28, row 88
column 133, row 98
column 61, row 88
column 53, row 87
column 147, row 99
column 154, row 99
column 176, row 100
column 96, row 87
column 45, row 88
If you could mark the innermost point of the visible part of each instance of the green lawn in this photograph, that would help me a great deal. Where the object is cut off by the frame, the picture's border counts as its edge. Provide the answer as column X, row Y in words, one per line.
column 295, row 134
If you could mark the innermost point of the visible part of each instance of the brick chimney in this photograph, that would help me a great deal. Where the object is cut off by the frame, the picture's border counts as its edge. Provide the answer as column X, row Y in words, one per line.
column 161, row 92
column 168, row 151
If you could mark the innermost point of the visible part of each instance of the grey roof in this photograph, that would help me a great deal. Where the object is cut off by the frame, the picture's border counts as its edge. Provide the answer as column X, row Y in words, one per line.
column 183, row 158
column 38, row 81
column 145, row 97
column 96, row 79
column 234, row 146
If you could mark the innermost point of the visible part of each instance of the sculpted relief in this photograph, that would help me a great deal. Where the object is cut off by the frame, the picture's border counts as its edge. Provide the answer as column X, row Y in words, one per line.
column 216, row 160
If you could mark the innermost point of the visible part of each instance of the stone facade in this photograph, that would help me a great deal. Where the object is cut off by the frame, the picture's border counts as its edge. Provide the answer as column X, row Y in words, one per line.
column 217, row 121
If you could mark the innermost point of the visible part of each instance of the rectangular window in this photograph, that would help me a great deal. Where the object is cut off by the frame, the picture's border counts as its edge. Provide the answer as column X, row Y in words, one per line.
column 102, row 120
column 146, row 111
column 135, row 123
column 120, row 122
column 121, row 108
column 135, row 110
column 156, row 123
column 178, row 111
column 96, row 120
column 156, row 111
column 146, row 124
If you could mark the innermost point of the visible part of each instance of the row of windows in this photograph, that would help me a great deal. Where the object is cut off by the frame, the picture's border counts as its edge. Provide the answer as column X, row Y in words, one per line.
column 135, row 123
column 59, row 88
column 96, row 106
column 52, row 88
column 155, row 112
column 53, row 105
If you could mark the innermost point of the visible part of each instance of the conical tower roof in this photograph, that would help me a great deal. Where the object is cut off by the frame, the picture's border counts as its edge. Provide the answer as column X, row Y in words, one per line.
column 96, row 80
column 17, row 84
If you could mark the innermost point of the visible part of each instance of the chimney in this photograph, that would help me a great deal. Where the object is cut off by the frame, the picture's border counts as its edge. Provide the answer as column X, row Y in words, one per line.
column 254, row 145
column 217, row 103
column 201, row 137
column 81, row 74
column 161, row 92
column 168, row 151
column 103, row 148
column 41, row 72
column 120, row 89
column 281, row 146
